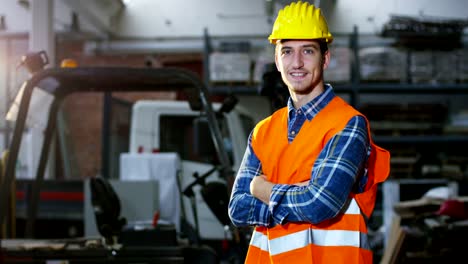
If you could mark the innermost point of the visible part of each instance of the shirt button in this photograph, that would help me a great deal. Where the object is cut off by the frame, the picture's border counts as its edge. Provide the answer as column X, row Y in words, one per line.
column 293, row 132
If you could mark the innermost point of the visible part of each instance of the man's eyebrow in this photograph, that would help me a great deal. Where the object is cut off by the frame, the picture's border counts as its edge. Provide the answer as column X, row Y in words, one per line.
column 316, row 47
column 285, row 48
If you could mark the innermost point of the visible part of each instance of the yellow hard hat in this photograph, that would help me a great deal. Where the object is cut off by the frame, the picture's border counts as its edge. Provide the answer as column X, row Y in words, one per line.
column 300, row 20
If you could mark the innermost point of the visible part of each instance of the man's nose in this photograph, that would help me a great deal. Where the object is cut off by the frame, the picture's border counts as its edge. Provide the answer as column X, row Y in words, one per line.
column 298, row 60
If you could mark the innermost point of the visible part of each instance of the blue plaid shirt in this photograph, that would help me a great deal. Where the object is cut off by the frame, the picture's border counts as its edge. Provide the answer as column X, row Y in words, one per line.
column 339, row 169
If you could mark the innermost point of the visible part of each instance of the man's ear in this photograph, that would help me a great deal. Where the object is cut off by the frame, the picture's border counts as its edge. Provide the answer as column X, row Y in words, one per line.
column 326, row 59
column 276, row 61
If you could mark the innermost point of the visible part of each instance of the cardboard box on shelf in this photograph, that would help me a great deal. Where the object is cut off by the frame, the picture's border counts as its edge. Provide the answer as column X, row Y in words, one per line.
column 421, row 68
column 339, row 68
column 462, row 71
column 261, row 61
column 445, row 66
column 230, row 67
column 382, row 64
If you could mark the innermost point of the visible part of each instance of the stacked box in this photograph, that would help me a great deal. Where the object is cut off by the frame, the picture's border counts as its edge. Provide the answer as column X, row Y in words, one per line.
column 263, row 59
column 459, row 119
column 339, row 68
column 230, row 67
column 462, row 72
column 421, row 68
column 382, row 64
column 445, row 67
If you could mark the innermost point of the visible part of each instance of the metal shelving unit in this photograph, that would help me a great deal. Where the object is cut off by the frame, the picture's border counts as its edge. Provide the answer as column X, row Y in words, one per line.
column 355, row 88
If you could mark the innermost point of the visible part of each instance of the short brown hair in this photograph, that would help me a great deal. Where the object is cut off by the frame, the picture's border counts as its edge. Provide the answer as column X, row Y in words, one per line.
column 322, row 43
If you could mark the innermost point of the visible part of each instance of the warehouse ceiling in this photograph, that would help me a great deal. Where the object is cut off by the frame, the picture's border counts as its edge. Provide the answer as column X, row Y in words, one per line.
column 102, row 14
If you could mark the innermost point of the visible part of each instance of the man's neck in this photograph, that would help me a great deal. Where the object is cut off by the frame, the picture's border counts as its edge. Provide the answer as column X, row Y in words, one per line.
column 301, row 99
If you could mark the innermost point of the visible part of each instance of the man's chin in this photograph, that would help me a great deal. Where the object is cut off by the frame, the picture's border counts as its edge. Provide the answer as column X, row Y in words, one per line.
column 302, row 90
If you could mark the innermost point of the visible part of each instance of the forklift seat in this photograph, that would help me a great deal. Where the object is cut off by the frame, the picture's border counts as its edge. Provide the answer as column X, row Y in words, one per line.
column 106, row 207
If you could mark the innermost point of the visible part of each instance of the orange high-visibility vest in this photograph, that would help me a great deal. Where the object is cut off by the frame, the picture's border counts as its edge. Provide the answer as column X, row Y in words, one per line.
column 342, row 239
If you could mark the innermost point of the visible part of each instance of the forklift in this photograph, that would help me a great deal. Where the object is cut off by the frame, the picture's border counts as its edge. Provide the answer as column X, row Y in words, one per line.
column 58, row 83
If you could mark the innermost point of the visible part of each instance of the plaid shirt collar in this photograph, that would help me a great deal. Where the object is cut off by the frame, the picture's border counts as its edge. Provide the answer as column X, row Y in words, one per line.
column 312, row 108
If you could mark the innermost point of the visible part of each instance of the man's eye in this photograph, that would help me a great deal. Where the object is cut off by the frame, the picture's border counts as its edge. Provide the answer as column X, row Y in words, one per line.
column 308, row 51
column 285, row 52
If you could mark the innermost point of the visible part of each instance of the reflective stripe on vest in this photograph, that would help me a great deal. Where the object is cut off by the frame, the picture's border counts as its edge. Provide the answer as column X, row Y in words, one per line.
column 259, row 240
column 319, row 237
column 353, row 208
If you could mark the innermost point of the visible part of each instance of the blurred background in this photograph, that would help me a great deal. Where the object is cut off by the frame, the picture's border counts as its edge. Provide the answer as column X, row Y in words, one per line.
column 404, row 64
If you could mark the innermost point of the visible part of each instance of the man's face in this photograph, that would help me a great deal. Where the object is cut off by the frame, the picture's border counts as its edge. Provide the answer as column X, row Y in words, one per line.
column 301, row 64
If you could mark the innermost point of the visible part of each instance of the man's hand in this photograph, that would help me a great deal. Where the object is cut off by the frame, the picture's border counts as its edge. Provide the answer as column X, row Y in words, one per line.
column 304, row 183
column 260, row 188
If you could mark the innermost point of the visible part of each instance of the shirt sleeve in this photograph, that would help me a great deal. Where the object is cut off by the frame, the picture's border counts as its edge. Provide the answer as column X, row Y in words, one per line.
column 333, row 177
column 244, row 209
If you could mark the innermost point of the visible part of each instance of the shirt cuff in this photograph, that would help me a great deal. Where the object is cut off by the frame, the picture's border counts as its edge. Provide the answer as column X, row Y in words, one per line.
column 277, row 212
column 263, row 216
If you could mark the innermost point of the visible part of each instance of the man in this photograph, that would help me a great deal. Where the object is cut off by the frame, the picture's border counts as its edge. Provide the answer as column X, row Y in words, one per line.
column 309, row 176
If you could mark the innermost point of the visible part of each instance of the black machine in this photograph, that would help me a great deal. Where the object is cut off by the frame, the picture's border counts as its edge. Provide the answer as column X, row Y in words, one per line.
column 106, row 207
